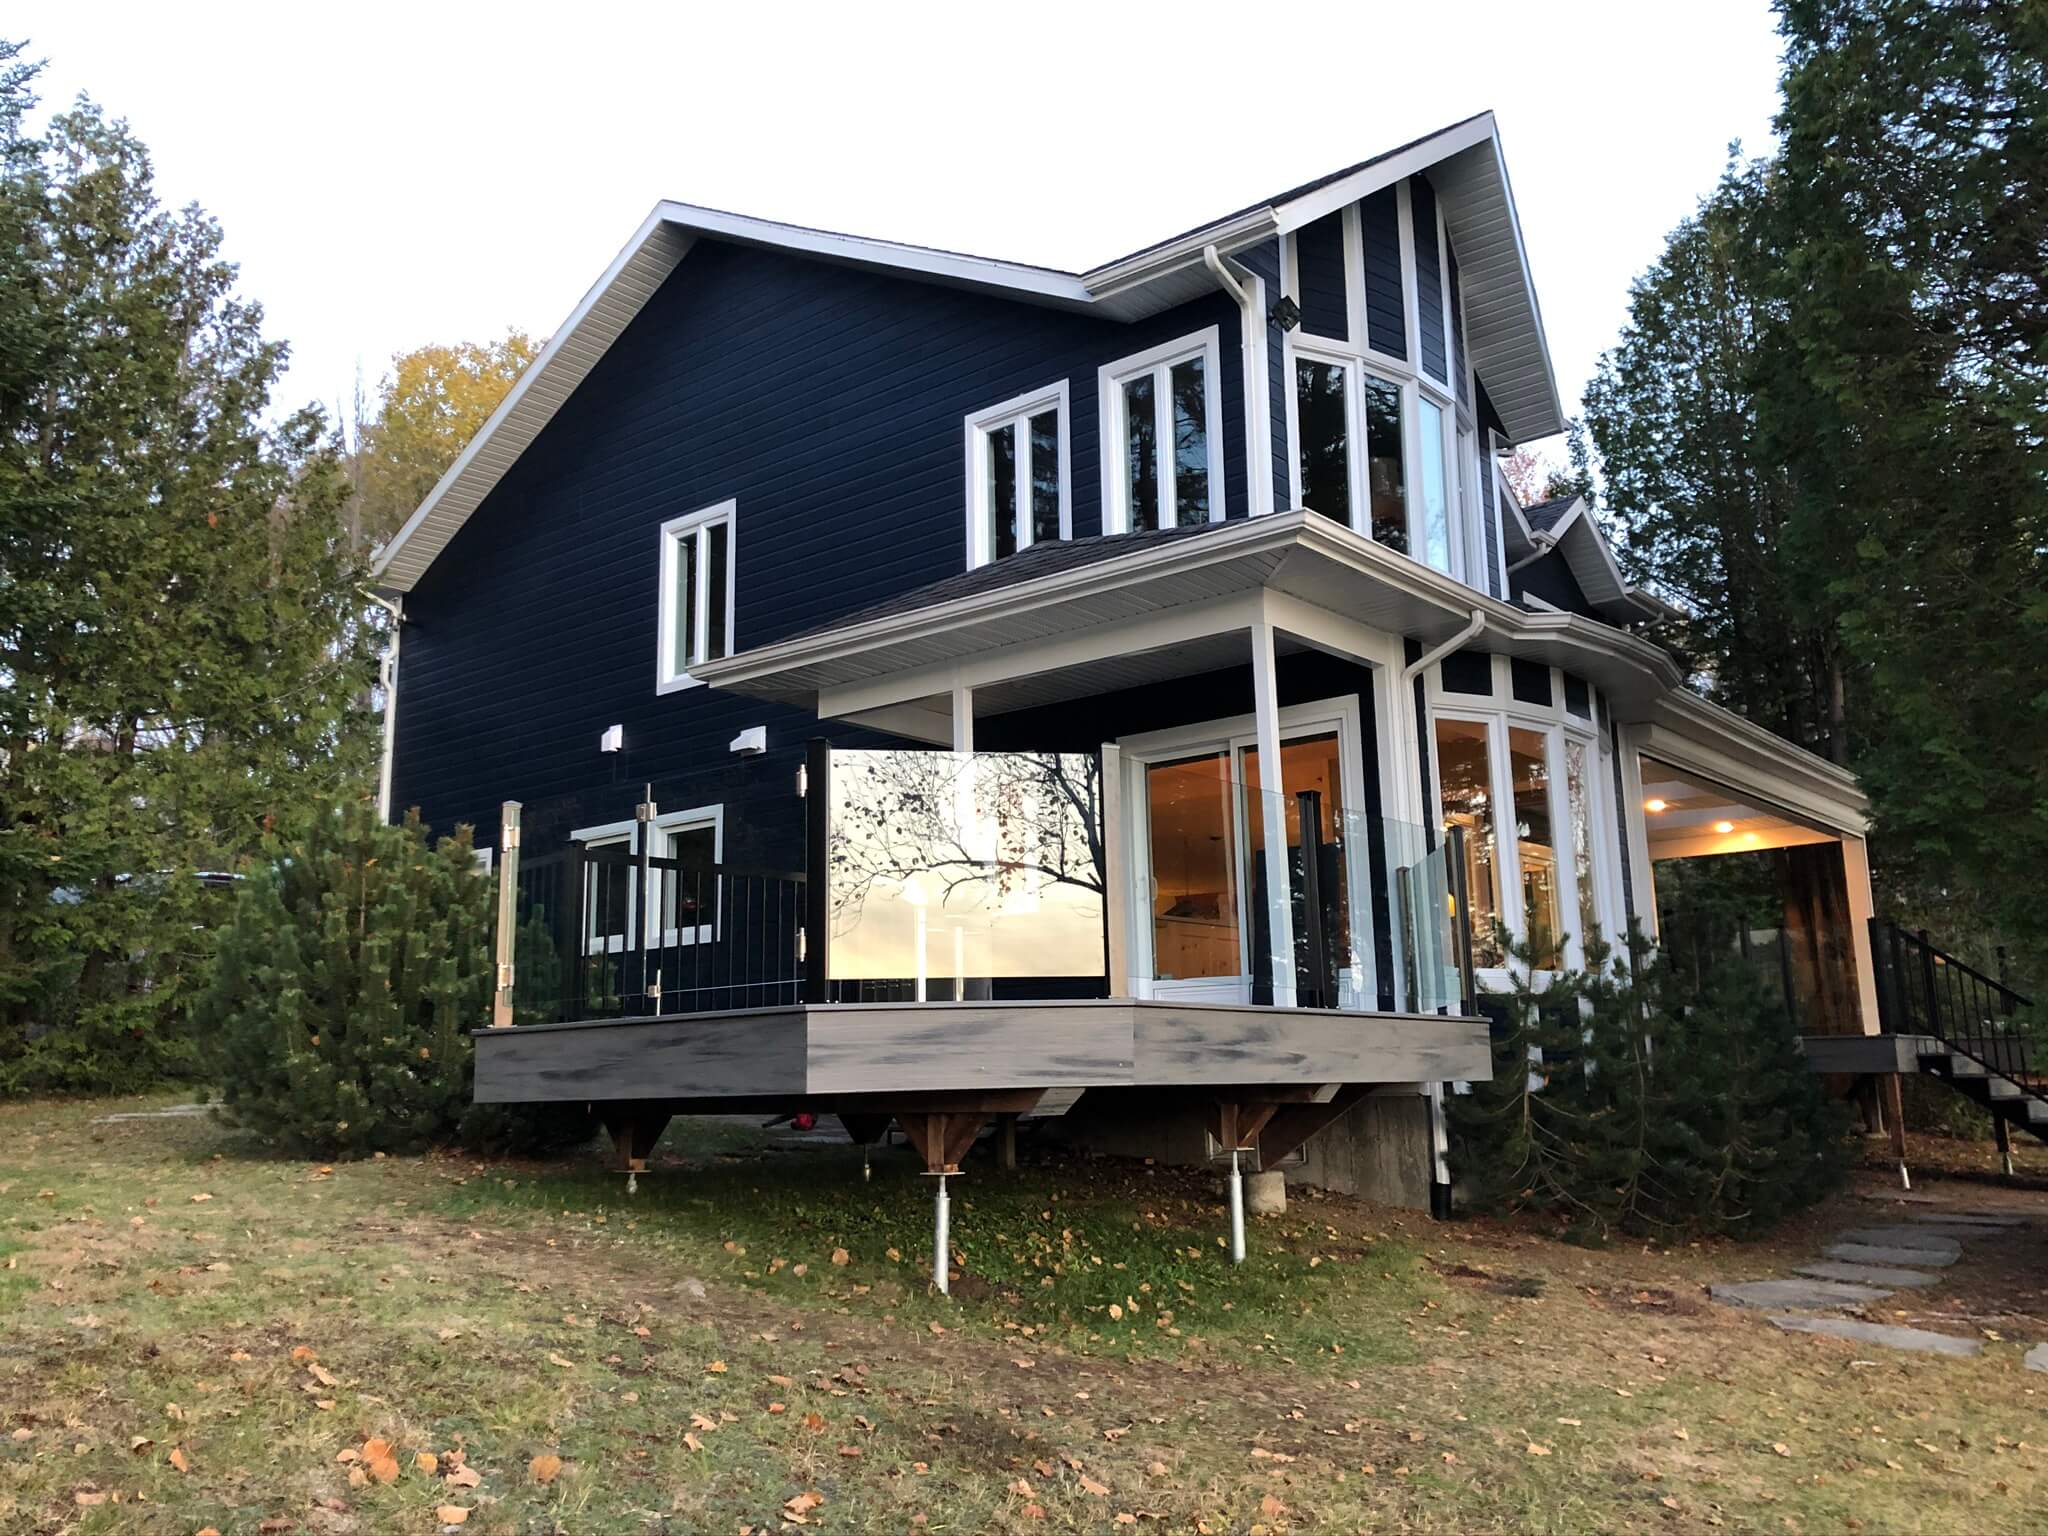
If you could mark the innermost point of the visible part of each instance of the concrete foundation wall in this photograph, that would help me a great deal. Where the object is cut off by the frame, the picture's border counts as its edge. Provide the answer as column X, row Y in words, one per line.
column 1378, row 1150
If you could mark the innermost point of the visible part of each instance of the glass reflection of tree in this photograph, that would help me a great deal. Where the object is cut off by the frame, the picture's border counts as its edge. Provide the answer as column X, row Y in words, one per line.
column 974, row 825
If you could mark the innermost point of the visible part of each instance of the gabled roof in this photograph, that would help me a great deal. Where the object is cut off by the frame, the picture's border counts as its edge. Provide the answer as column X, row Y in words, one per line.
column 1564, row 528
column 1503, row 324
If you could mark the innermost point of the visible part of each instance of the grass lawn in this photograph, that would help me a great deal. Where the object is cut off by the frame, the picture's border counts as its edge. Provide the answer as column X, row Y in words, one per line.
column 194, row 1335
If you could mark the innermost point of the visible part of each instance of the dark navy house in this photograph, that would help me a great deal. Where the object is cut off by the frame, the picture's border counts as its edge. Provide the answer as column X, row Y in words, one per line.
column 937, row 690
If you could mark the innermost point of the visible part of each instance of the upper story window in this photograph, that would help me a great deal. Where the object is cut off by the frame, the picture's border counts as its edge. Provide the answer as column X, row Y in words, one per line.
column 1017, row 475
column 1162, row 461
column 696, row 594
column 1384, row 441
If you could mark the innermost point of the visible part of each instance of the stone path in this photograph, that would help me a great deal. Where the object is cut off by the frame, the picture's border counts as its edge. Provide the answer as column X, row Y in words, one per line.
column 1866, row 1264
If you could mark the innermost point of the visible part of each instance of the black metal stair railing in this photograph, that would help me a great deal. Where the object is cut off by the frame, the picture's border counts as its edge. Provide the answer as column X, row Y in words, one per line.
column 1922, row 990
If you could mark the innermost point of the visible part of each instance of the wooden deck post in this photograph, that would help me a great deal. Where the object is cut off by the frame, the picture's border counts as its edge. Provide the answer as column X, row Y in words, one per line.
column 508, row 911
column 1006, row 1143
column 1895, row 1118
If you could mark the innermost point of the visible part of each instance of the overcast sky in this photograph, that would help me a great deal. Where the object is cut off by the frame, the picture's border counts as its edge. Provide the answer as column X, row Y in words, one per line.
column 392, row 175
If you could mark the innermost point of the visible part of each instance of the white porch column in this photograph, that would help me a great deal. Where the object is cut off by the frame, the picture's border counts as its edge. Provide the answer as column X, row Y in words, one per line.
column 1856, row 876
column 1273, row 807
column 963, row 718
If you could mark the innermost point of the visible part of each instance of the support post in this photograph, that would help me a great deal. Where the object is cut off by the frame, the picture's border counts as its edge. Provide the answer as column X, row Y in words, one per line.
column 1236, row 1210
column 1895, row 1118
column 942, row 1238
column 1439, row 1156
column 817, row 871
column 508, row 911
column 1461, row 928
column 2004, row 1133
column 641, row 919
column 963, row 718
column 1006, row 1143
column 1273, row 809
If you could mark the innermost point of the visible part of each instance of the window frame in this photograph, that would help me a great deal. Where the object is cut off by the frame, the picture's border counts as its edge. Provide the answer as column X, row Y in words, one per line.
column 697, row 525
column 1500, row 712
column 1159, row 361
column 1015, row 412
column 667, row 825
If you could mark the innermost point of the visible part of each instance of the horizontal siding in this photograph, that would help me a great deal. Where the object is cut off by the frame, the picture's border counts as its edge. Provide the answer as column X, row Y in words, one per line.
column 1429, row 278
column 829, row 403
column 1386, row 305
column 1319, row 264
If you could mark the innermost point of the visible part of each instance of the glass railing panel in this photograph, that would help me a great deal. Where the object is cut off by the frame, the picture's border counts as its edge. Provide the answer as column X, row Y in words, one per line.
column 965, row 875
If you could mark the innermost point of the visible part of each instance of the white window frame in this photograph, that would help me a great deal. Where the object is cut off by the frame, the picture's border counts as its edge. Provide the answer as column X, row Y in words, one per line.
column 1499, row 711
column 1109, row 393
column 1017, row 413
column 1354, row 425
column 668, row 678
column 667, row 825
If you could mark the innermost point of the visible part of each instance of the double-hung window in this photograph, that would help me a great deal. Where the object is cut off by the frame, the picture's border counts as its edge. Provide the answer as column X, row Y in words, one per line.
column 680, row 903
column 1017, row 475
column 696, row 594
column 1162, row 456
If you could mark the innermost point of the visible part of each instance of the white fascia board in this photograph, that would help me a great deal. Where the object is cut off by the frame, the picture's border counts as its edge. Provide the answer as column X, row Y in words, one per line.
column 1230, row 235
column 1528, row 277
column 854, row 250
column 1693, row 734
column 399, row 564
column 1365, row 181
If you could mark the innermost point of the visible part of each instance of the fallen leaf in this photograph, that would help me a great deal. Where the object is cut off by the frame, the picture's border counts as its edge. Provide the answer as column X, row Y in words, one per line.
column 376, row 1447
column 384, row 1468
column 690, row 1439
column 465, row 1477
column 1116, row 1313
column 715, row 1368
column 1533, row 1449
column 1271, row 1507
column 1782, row 1448
column 1089, row 1485
column 196, row 1199
column 544, row 1469
column 803, row 1503
column 177, row 1459
column 567, row 1365
column 427, row 1463
column 814, row 1421
column 841, row 1257
column 849, row 1450
column 301, row 1354
column 321, row 1375
column 451, row 1514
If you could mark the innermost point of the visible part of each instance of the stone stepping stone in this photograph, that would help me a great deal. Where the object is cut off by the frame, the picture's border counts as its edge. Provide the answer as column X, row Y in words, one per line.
column 1806, row 1295
column 1871, row 1253
column 1917, row 1340
column 1966, row 1219
column 1903, row 1237
column 2036, row 1358
column 1869, row 1274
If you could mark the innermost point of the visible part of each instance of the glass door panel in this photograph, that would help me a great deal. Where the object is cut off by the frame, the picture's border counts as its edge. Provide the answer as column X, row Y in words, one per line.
column 1306, row 763
column 1191, row 809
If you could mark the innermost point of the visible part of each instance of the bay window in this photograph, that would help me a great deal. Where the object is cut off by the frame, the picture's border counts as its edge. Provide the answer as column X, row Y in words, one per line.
column 1017, row 475
column 1161, row 448
column 1433, row 512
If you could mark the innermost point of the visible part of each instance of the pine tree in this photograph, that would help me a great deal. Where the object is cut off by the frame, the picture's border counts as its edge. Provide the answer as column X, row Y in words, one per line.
column 177, row 605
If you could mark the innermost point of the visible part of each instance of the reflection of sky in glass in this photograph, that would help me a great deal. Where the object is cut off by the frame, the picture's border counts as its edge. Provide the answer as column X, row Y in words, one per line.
column 951, row 866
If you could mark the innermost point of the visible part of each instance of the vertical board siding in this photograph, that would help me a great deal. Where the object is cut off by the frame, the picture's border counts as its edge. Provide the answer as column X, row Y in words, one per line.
column 829, row 402
column 1264, row 261
column 1429, row 291
column 1386, row 307
column 1319, row 264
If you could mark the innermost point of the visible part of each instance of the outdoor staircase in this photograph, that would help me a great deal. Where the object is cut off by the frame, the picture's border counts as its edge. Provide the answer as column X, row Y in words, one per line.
column 1974, row 1033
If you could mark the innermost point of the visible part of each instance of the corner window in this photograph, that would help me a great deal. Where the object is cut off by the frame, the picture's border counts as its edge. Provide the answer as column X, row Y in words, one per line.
column 1323, row 428
column 1464, row 767
column 1162, row 462
column 1017, row 475
column 696, row 594
column 1385, row 474
column 1433, row 514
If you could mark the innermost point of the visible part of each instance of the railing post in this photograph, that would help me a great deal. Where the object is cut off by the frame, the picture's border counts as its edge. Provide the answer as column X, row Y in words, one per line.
column 817, row 928
column 1454, row 853
column 1933, row 987
column 639, row 919
column 508, row 911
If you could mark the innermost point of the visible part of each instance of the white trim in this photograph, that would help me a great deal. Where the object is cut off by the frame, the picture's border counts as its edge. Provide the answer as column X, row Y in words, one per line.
column 1159, row 361
column 667, row 824
column 1015, row 413
column 695, row 525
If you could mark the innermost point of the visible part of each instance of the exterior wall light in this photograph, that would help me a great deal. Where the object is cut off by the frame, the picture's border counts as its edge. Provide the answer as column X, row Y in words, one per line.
column 1286, row 314
column 1653, row 806
column 1724, row 827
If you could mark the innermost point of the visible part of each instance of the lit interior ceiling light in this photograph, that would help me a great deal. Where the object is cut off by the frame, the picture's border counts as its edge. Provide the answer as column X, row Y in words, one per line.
column 1653, row 806
column 1724, row 827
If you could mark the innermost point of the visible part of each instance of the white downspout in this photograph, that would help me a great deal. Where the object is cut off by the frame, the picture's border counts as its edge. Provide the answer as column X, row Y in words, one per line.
column 1258, row 432
column 387, row 679
column 1430, row 658
column 1544, row 542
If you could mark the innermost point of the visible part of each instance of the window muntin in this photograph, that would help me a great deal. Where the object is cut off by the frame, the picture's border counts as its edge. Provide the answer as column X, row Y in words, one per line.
column 1018, row 475
column 1323, row 431
column 1464, row 760
column 1163, row 452
column 696, row 606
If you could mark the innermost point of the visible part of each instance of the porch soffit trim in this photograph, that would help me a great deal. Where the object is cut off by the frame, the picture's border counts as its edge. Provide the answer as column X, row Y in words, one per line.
column 1692, row 734
column 1504, row 324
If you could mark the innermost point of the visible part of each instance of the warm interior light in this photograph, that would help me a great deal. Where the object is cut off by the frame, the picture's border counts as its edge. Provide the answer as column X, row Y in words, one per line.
column 1724, row 827
column 1653, row 806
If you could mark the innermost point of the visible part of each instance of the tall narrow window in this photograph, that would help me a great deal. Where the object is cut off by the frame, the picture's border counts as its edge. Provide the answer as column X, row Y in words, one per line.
column 1578, row 794
column 1161, row 458
column 1536, row 846
column 1465, row 772
column 1384, row 454
column 696, row 617
column 1324, row 425
column 1434, row 511
column 1017, row 475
